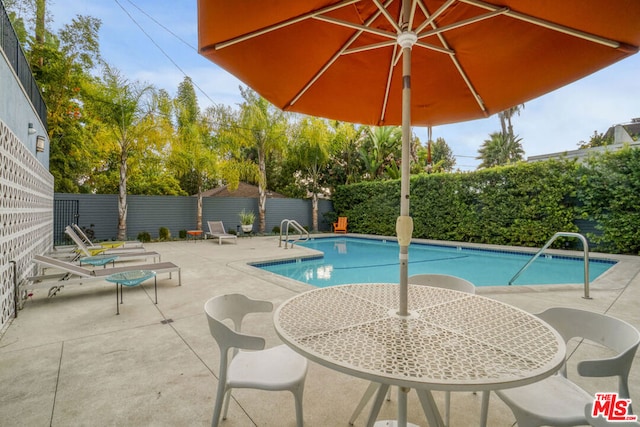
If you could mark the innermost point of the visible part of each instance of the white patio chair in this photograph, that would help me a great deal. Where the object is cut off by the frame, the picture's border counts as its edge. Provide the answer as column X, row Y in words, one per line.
column 558, row 401
column 437, row 281
column 276, row 369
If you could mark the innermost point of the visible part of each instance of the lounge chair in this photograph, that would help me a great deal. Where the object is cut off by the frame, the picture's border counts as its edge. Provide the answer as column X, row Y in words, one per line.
column 85, row 250
column 125, row 245
column 340, row 226
column 216, row 229
column 72, row 274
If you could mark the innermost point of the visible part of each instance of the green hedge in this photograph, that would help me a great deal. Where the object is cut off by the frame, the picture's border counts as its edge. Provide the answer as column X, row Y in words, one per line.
column 522, row 205
column 609, row 195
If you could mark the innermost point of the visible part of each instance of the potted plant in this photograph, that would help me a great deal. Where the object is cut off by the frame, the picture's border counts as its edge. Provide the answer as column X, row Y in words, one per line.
column 246, row 220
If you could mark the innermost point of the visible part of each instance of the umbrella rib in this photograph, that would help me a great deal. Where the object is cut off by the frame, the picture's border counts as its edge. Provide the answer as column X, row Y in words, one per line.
column 279, row 25
column 492, row 14
column 334, row 58
column 387, row 15
column 369, row 47
column 550, row 25
column 455, row 60
column 358, row 27
column 387, row 90
column 435, row 14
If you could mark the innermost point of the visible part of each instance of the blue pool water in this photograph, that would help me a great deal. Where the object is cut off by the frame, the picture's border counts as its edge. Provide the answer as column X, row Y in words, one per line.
column 357, row 260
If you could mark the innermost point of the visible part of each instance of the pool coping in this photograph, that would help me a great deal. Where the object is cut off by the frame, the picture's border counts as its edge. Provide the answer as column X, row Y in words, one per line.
column 612, row 279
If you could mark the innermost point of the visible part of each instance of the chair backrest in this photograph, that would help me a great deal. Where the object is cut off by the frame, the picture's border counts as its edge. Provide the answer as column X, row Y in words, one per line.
column 443, row 281
column 78, row 241
column 608, row 331
column 234, row 307
column 82, row 234
column 62, row 265
column 342, row 221
column 216, row 227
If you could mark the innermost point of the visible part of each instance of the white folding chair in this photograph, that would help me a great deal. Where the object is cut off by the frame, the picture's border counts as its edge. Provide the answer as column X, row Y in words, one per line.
column 558, row 401
column 437, row 281
column 277, row 368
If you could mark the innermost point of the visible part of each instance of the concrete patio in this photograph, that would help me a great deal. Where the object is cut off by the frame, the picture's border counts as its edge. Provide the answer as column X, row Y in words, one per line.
column 69, row 360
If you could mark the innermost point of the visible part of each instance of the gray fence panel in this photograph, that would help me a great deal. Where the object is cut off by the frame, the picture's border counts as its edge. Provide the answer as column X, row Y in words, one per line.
column 149, row 213
column 227, row 209
column 96, row 211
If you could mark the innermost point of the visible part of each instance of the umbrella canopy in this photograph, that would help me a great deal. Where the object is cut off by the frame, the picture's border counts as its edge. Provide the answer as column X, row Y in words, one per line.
column 341, row 59
column 420, row 62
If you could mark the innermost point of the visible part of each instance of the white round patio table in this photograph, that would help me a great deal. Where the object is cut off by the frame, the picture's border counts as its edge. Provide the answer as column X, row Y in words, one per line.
column 451, row 341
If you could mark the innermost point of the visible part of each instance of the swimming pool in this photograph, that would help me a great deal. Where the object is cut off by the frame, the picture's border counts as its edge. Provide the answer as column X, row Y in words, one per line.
column 361, row 260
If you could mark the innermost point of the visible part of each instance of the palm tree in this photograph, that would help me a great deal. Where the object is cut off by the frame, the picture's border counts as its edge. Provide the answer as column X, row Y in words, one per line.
column 310, row 151
column 380, row 150
column 262, row 128
column 498, row 150
column 127, row 111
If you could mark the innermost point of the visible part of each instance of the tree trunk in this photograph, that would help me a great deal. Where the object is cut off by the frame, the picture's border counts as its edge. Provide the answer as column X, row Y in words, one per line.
column 199, row 213
column 40, row 27
column 122, row 198
column 314, row 211
column 262, row 193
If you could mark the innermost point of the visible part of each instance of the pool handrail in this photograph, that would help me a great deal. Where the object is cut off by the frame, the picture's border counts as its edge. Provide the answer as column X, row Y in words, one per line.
column 284, row 225
column 585, row 250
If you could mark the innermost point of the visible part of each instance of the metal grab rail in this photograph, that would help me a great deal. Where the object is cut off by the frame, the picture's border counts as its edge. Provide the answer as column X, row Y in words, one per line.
column 284, row 225
column 585, row 250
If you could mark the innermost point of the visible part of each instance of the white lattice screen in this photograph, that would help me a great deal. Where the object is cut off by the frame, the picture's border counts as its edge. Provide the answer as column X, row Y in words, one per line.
column 26, row 215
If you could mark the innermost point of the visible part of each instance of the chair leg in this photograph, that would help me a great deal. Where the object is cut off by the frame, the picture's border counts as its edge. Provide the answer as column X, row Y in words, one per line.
column 297, row 394
column 363, row 402
column 447, row 407
column 484, row 409
column 227, row 399
column 217, row 409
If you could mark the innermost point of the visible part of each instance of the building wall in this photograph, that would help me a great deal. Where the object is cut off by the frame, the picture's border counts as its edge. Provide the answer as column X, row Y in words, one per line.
column 16, row 111
column 26, row 216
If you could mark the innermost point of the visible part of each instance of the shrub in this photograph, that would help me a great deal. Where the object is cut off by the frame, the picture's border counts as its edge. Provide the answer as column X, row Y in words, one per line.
column 144, row 237
column 276, row 229
column 182, row 234
column 164, row 233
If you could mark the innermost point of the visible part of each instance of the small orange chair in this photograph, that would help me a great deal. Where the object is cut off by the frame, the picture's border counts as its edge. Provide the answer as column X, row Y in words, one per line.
column 341, row 225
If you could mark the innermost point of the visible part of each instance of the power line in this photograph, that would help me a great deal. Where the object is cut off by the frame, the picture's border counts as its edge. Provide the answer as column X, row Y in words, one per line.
column 162, row 50
column 163, row 27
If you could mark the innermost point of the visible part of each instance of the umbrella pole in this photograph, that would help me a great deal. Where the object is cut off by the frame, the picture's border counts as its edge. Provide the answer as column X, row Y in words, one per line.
column 404, row 224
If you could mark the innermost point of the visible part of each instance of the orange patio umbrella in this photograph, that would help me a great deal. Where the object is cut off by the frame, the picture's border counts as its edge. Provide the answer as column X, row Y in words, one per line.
column 413, row 62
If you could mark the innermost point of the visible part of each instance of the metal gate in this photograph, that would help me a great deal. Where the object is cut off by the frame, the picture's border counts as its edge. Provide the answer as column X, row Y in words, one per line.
column 65, row 212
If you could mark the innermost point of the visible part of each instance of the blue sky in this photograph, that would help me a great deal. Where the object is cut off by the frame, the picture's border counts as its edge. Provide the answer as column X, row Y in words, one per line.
column 143, row 50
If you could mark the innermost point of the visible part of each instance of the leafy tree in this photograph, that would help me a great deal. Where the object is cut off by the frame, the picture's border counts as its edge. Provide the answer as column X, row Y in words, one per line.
column 262, row 128
column 596, row 140
column 346, row 164
column 126, row 111
column 499, row 150
column 380, row 151
column 441, row 159
column 61, row 65
column 310, row 151
column 192, row 152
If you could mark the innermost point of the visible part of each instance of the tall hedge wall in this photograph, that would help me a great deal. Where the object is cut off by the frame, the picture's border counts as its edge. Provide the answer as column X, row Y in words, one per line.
column 522, row 205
